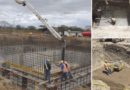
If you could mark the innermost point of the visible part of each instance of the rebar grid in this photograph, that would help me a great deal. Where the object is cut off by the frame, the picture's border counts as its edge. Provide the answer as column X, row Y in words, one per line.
column 26, row 53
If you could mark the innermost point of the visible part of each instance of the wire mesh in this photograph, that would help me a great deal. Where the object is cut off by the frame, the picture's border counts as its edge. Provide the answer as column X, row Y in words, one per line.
column 26, row 53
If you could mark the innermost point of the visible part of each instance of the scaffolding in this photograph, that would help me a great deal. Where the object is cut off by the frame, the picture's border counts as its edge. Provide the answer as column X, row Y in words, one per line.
column 22, row 61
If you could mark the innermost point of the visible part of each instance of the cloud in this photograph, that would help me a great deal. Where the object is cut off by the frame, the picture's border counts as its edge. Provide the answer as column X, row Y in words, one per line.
column 57, row 12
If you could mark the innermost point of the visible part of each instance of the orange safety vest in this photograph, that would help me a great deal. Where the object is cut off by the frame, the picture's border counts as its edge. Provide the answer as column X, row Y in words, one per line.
column 65, row 68
column 68, row 66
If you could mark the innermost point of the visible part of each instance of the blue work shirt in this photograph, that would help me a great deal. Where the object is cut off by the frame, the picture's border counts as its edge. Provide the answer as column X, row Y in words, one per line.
column 62, row 66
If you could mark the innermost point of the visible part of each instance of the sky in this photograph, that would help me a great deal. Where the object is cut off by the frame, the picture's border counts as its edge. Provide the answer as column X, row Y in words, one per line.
column 57, row 12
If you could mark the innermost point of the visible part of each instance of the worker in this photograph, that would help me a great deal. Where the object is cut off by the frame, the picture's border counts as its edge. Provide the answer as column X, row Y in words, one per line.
column 47, row 70
column 69, row 70
column 107, row 67
column 64, row 70
column 113, row 21
column 97, row 15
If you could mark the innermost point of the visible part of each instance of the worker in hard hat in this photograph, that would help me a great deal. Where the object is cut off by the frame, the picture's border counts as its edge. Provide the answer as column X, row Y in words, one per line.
column 47, row 70
column 68, row 68
column 64, row 70
column 107, row 67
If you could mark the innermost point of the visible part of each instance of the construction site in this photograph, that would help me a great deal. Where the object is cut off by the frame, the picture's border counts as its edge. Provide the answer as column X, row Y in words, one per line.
column 111, row 18
column 22, row 58
column 114, row 53
column 24, row 55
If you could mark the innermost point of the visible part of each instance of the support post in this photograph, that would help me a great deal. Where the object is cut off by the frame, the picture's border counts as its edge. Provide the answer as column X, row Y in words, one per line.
column 63, row 48
column 63, row 53
column 24, row 82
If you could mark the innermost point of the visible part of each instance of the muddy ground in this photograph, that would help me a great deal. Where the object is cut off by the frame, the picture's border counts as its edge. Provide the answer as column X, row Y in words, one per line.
column 112, row 52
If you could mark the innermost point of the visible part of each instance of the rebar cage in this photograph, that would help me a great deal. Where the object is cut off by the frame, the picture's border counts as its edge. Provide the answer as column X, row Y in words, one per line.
column 26, row 53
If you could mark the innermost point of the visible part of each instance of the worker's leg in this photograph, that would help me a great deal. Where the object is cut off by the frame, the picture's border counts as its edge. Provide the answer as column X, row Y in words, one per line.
column 45, row 74
column 49, row 76
column 64, row 76
column 110, row 71
column 70, row 75
column 107, row 71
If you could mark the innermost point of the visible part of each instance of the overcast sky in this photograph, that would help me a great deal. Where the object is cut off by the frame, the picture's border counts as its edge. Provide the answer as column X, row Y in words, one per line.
column 57, row 12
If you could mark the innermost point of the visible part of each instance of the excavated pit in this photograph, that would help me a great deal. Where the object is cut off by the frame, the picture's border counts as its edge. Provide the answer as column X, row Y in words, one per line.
column 118, row 52
column 112, row 52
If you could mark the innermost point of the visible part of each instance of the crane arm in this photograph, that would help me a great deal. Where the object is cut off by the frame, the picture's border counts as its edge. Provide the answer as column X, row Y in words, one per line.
column 106, row 1
column 43, row 20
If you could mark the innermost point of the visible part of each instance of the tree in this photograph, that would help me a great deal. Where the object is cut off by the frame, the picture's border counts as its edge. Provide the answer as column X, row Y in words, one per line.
column 18, row 27
column 63, row 28
column 43, row 28
column 31, row 27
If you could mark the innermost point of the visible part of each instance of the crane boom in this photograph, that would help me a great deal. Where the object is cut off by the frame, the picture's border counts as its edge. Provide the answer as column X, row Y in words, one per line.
column 43, row 20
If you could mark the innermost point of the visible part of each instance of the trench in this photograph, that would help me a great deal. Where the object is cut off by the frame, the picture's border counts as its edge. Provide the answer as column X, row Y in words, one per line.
column 113, row 52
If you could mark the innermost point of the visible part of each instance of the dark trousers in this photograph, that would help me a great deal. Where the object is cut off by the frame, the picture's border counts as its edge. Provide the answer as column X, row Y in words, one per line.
column 48, row 75
column 64, row 76
column 108, row 71
column 70, row 75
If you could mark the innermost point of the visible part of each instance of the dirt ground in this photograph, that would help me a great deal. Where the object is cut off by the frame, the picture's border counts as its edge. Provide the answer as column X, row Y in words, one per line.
column 116, row 80
column 97, row 53
column 112, row 52
column 7, row 85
